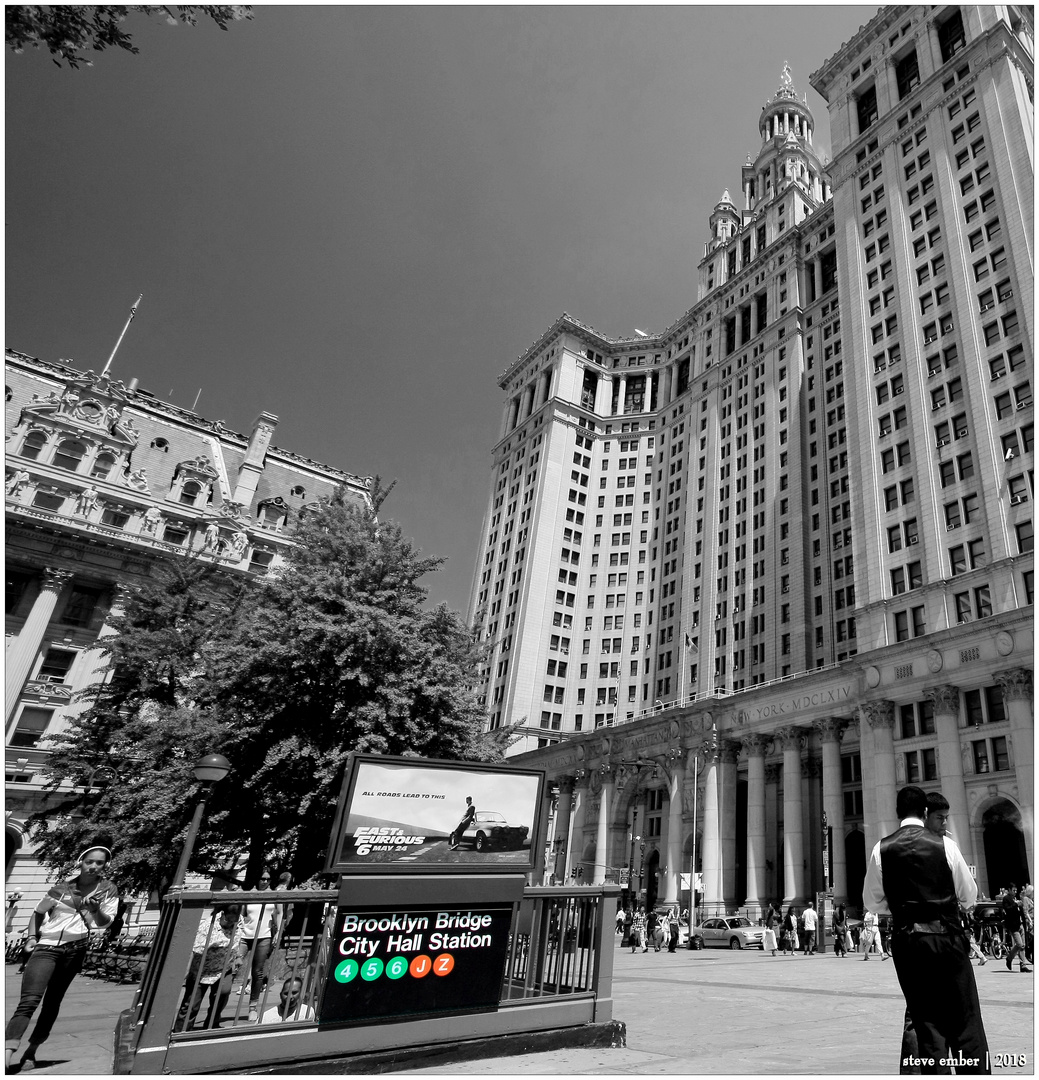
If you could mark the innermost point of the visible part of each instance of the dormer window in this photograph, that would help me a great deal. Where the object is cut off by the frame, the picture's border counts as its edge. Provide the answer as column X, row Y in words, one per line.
column 160, row 444
column 103, row 466
column 69, row 454
column 190, row 492
column 34, row 444
column 299, row 492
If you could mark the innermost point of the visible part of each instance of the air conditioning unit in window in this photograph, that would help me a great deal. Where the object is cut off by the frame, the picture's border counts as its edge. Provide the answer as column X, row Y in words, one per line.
column 949, row 528
column 938, row 405
column 1026, row 404
column 961, row 433
column 913, row 540
column 899, row 390
column 940, row 443
column 998, row 375
column 1016, row 500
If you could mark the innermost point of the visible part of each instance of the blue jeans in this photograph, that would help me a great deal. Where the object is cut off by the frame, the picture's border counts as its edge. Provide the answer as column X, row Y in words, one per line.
column 256, row 958
column 49, row 972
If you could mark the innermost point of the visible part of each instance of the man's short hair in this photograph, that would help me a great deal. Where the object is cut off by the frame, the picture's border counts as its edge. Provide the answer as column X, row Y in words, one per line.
column 911, row 802
column 937, row 803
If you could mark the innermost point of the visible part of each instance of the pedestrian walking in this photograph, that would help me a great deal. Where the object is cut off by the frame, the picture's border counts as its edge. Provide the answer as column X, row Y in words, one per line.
column 638, row 930
column 259, row 922
column 620, row 920
column 216, row 956
column 1013, row 923
column 811, row 924
column 672, row 929
column 1028, row 907
column 869, row 933
column 771, row 917
column 922, row 880
column 58, row 938
column 840, row 932
column 652, row 931
column 788, row 933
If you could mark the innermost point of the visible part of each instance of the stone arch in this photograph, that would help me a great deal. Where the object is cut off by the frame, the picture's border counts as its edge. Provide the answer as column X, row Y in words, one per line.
column 1000, row 842
column 855, row 866
column 650, row 876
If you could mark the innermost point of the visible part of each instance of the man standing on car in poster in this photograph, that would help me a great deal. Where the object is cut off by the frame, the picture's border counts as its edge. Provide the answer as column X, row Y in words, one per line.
column 467, row 820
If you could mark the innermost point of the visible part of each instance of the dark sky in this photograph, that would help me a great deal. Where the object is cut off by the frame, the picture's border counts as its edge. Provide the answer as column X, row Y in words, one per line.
column 357, row 217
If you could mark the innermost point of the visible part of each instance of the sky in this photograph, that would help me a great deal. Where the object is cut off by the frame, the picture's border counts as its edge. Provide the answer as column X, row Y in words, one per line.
column 358, row 217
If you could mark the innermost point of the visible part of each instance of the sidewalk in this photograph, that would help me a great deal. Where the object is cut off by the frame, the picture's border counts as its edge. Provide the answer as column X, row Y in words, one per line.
column 713, row 1012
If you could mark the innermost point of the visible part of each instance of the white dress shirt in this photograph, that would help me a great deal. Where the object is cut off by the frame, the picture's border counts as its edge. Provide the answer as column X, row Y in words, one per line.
column 873, row 896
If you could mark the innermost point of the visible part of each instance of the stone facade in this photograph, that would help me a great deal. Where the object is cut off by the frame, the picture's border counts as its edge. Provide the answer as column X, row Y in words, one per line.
column 104, row 482
column 786, row 545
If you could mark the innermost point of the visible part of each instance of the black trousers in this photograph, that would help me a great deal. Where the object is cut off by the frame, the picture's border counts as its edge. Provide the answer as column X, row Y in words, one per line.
column 937, row 980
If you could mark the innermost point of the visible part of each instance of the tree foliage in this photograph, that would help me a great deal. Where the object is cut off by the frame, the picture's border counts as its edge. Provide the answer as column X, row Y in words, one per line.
column 336, row 652
column 66, row 31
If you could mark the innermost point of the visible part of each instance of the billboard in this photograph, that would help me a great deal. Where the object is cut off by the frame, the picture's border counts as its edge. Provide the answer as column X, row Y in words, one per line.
column 408, row 815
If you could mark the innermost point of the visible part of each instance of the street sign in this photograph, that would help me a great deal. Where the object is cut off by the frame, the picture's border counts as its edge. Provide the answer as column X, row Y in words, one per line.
column 389, row 964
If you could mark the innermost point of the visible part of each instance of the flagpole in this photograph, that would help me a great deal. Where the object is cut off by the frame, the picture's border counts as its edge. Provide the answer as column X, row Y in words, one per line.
column 133, row 312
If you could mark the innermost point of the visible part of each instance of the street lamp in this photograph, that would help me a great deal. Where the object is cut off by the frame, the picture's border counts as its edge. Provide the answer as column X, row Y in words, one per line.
column 210, row 770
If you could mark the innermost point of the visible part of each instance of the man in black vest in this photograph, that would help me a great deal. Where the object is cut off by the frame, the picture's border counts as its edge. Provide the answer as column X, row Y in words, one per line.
column 921, row 879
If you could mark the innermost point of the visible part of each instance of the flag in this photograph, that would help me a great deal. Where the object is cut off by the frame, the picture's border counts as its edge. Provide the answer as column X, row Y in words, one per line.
column 133, row 310
column 690, row 644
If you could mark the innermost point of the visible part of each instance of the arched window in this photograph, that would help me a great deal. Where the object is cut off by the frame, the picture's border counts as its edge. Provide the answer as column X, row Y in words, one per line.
column 69, row 454
column 103, row 466
column 190, row 491
column 273, row 514
column 34, row 443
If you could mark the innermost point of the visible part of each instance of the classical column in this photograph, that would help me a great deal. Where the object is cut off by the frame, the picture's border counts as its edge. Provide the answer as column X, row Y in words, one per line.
column 1017, row 694
column 602, row 833
column 562, row 840
column 582, row 794
column 772, row 775
column 676, row 782
column 817, row 277
column 946, row 701
column 755, row 747
column 95, row 663
column 727, row 819
column 622, row 394
column 793, row 834
column 831, row 731
column 710, row 858
column 603, row 395
column 23, row 652
column 880, row 715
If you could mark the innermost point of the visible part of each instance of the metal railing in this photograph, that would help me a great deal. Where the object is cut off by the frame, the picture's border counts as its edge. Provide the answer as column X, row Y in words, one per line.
column 195, row 990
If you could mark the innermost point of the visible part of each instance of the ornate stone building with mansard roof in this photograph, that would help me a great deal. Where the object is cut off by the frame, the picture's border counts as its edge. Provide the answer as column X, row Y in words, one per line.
column 743, row 579
column 104, row 481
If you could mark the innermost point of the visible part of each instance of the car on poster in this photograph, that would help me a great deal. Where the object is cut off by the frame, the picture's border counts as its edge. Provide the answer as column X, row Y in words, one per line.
column 414, row 814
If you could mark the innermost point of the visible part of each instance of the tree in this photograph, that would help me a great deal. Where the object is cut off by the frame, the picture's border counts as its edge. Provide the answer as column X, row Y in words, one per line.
column 339, row 653
column 336, row 652
column 129, row 755
column 67, row 31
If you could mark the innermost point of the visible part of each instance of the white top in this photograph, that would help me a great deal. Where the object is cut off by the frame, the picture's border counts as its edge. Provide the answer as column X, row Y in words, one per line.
column 273, row 1015
column 257, row 921
column 873, row 896
column 811, row 918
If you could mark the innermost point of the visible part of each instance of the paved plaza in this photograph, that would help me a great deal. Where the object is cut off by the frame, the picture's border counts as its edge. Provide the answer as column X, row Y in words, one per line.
column 714, row 1012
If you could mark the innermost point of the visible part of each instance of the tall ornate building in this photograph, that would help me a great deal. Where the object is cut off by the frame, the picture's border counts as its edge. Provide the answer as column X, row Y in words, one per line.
column 103, row 482
column 743, row 579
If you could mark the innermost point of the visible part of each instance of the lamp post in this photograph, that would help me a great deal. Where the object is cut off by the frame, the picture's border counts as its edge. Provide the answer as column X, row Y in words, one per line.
column 692, row 857
column 210, row 770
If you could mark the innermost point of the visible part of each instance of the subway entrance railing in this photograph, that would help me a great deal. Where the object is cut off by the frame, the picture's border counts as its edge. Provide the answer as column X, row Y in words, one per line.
column 191, row 1012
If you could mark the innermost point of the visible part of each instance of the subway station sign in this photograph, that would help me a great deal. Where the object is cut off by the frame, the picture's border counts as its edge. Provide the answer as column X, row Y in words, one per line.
column 418, row 961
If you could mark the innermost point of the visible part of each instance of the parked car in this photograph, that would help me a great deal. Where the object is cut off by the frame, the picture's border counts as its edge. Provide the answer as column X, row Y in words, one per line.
column 490, row 829
column 730, row 932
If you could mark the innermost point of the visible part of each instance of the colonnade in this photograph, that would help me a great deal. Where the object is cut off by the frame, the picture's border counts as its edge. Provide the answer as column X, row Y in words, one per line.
column 795, row 802
column 24, row 648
